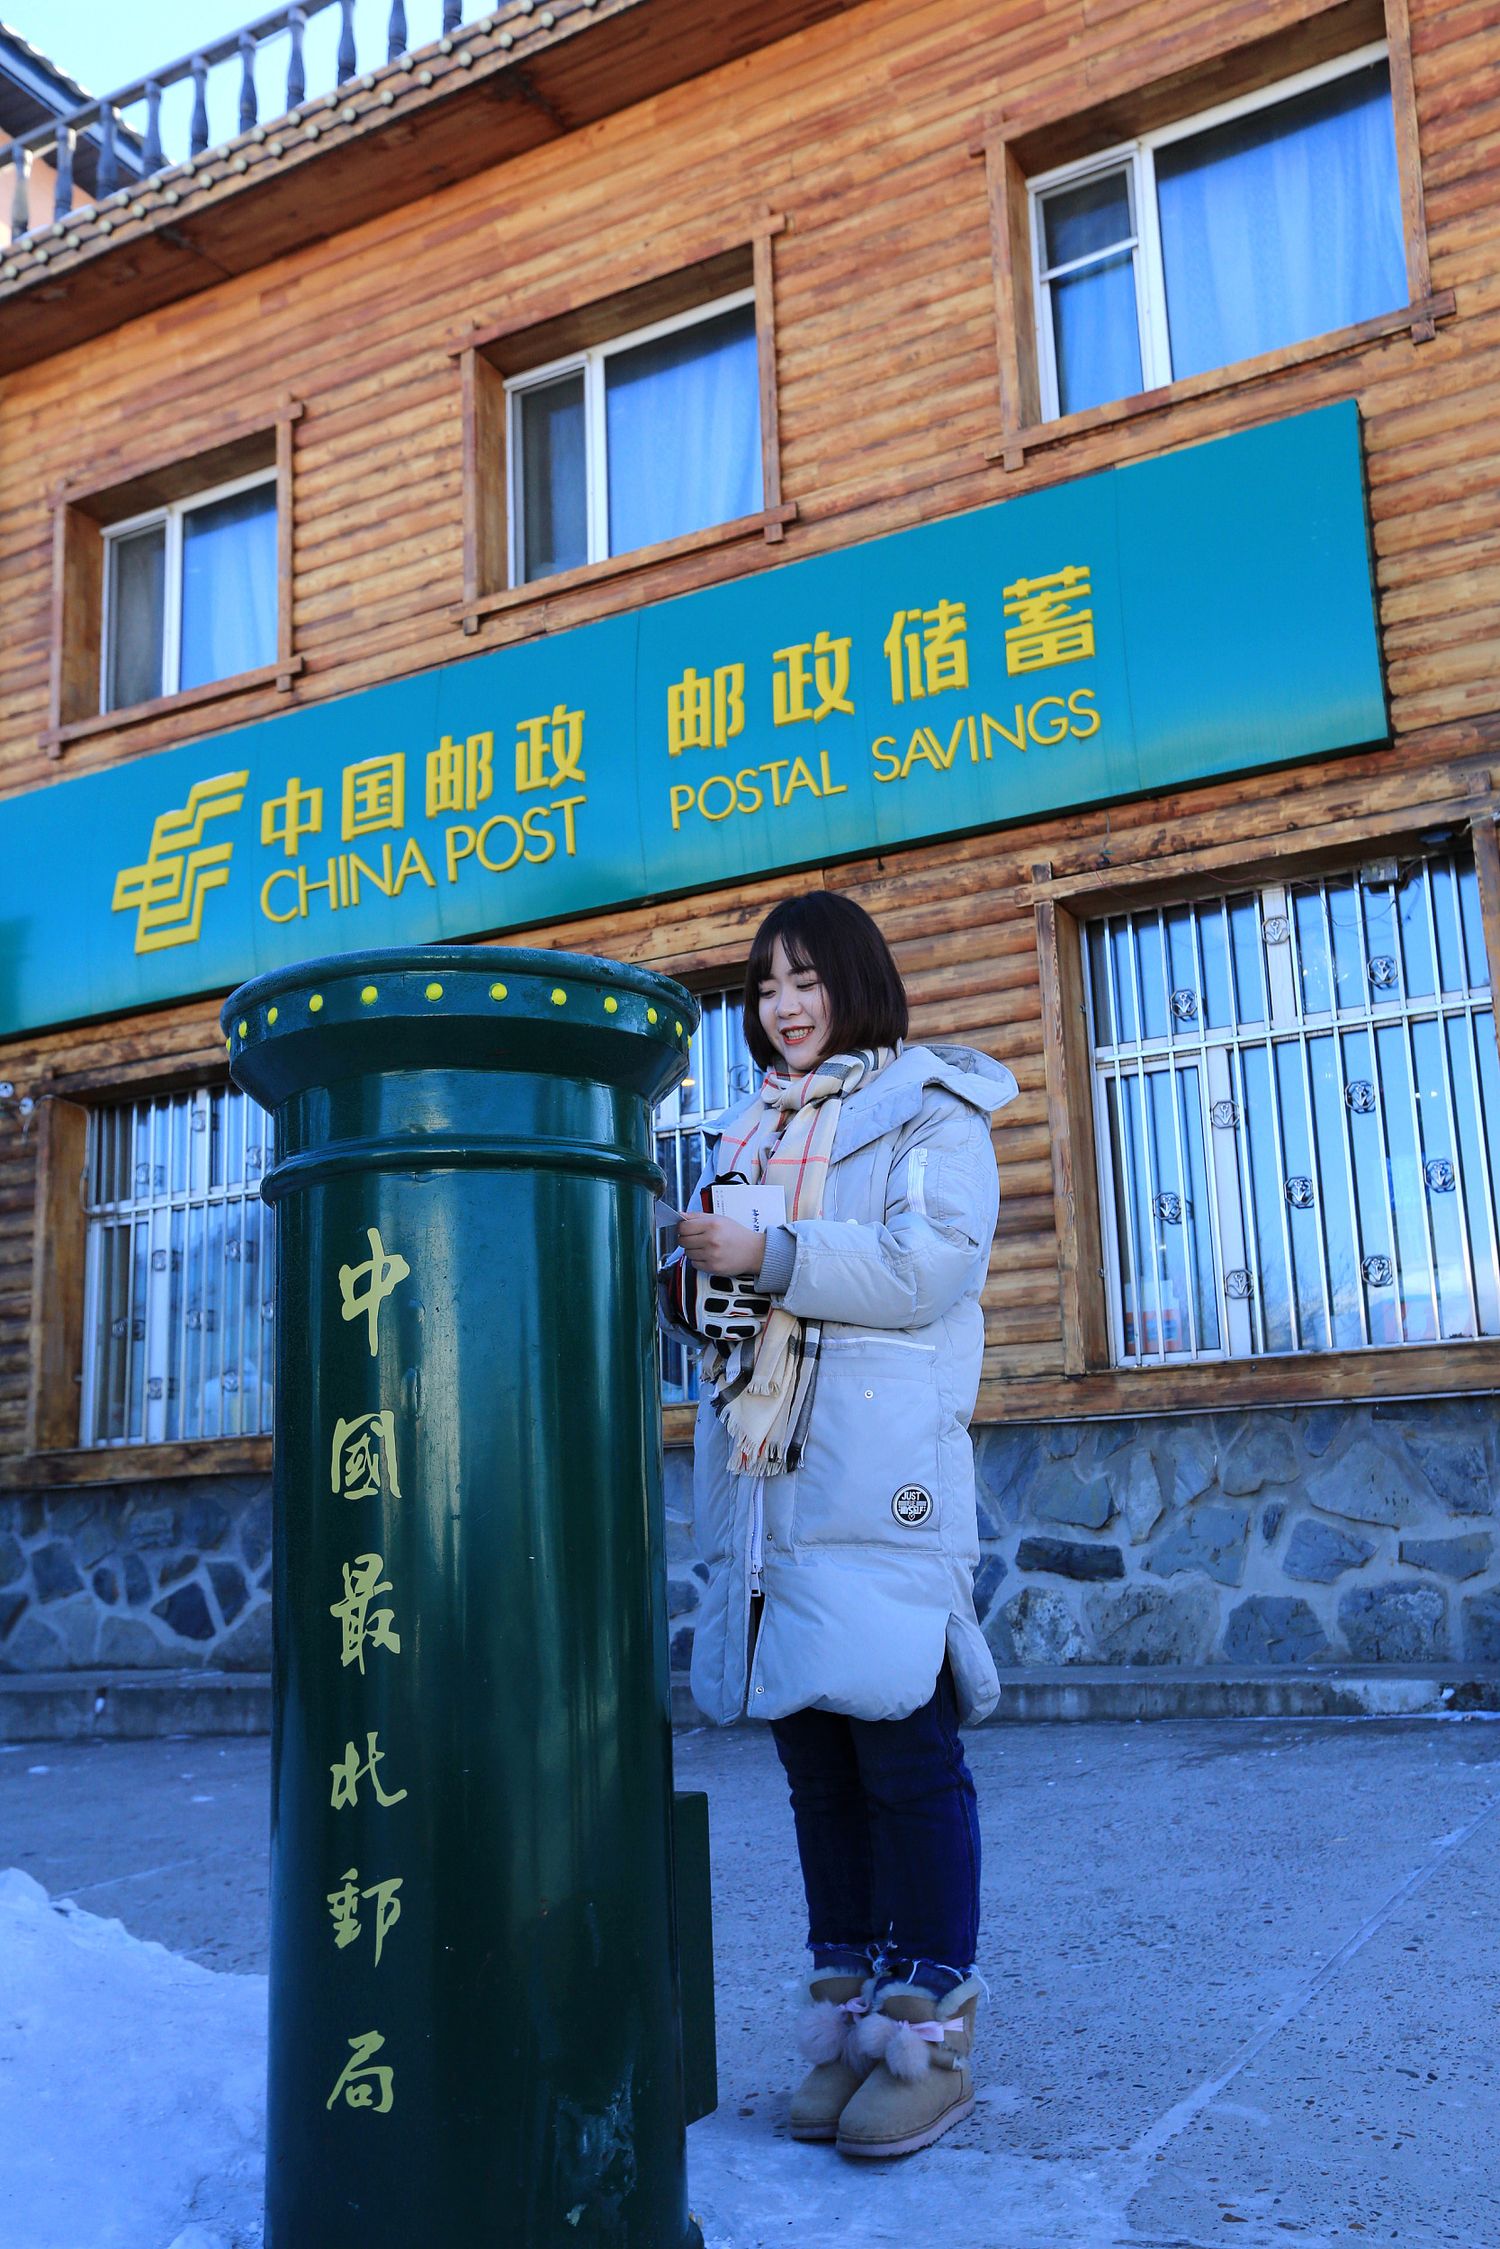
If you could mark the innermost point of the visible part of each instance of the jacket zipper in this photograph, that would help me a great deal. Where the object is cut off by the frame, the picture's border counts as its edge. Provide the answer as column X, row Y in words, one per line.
column 757, row 1536
column 757, row 1601
column 886, row 1342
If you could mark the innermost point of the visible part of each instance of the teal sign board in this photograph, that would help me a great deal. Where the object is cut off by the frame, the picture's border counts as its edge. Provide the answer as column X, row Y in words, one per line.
column 1199, row 614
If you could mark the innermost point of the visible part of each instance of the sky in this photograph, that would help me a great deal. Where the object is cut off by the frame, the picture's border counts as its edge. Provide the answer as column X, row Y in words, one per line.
column 104, row 44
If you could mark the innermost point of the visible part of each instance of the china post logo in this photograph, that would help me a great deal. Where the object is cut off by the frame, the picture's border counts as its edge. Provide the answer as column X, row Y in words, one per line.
column 167, row 892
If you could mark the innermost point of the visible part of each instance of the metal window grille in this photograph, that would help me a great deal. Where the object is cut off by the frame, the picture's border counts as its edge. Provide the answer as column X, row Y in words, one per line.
column 178, row 1277
column 1297, row 1105
column 720, row 1074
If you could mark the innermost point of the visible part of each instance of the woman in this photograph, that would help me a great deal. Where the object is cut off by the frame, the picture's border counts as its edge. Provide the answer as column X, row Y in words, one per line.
column 834, row 1499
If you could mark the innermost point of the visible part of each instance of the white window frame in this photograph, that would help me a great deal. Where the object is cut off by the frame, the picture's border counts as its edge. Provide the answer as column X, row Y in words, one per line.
column 1137, row 159
column 172, row 516
column 590, row 363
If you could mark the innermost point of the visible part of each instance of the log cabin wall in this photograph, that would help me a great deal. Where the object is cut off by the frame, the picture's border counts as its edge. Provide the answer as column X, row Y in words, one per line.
column 866, row 152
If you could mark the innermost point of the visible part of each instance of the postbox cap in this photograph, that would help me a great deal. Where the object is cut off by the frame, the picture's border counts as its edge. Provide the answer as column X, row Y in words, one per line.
column 481, row 1007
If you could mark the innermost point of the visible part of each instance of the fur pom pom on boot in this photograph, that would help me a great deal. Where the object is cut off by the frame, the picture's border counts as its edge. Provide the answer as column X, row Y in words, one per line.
column 916, row 2048
column 825, row 2034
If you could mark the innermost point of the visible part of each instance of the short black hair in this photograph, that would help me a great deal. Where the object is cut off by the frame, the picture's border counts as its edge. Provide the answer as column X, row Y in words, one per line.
column 828, row 933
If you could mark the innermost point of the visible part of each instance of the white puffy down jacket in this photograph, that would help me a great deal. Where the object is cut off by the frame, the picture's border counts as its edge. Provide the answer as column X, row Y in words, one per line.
column 867, row 1550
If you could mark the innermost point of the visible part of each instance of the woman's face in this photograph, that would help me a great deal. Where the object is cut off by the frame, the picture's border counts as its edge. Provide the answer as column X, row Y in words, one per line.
column 794, row 1012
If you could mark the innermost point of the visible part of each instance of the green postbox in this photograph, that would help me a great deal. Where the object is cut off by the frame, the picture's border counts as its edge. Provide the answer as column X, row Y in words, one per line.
column 475, row 2023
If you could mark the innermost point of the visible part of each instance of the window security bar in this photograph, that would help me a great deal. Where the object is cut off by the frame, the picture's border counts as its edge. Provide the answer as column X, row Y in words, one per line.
column 720, row 1075
column 179, row 1270
column 1297, row 1094
column 178, row 1277
column 123, row 152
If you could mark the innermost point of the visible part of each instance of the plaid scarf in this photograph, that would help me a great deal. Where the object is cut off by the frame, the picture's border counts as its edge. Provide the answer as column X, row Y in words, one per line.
column 763, row 1383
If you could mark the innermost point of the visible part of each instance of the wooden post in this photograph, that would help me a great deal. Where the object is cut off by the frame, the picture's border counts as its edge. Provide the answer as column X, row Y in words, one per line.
column 62, row 193
column 198, row 133
column 288, row 416
column 484, row 481
column 765, row 356
column 1075, row 1184
column 20, row 193
column 1015, row 329
column 296, row 71
column 56, row 1333
column 151, row 157
column 1487, row 867
column 248, row 104
column 1409, row 164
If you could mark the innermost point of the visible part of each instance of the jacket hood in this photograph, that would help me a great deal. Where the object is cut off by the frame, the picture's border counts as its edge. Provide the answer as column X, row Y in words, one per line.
column 977, row 1078
column 890, row 1099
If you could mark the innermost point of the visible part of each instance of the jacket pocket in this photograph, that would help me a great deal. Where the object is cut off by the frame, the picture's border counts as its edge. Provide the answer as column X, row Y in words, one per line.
column 872, row 1470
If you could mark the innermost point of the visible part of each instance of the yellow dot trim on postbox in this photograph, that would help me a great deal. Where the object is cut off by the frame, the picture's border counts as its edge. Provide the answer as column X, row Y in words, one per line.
column 498, row 991
column 272, row 1014
column 370, row 994
column 243, row 1028
column 559, row 996
column 650, row 1015
column 316, row 1002
column 679, row 1030
column 434, row 991
column 611, row 1006
column 228, row 1045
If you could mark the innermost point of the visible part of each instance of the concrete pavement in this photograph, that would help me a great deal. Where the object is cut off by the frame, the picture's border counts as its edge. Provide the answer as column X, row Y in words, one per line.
column 1243, row 1975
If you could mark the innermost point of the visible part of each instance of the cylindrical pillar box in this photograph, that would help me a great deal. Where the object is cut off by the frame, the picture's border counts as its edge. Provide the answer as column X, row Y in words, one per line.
column 474, row 2026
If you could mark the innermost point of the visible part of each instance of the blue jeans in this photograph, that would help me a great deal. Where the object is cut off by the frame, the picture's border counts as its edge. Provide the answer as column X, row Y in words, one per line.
column 888, row 1836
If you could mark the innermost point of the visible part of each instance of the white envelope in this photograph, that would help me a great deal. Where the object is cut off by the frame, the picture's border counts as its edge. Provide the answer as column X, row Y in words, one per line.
column 759, row 1208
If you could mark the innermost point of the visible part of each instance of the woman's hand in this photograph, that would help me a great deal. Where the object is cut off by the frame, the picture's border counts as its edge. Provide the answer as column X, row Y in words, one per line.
column 721, row 1245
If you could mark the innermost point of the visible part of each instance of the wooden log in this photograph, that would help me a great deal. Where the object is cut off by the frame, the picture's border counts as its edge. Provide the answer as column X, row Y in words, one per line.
column 900, row 274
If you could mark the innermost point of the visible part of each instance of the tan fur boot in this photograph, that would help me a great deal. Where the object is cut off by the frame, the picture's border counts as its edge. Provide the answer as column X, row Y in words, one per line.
column 824, row 2035
column 922, row 2082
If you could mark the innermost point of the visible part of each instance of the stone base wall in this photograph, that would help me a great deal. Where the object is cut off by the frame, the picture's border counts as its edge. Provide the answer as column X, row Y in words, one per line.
column 137, row 1577
column 1329, row 1534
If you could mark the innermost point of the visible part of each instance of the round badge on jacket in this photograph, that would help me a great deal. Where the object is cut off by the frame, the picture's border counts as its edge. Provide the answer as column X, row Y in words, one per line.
column 912, row 1505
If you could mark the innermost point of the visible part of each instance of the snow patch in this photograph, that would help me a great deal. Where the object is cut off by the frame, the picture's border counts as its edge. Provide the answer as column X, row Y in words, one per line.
column 756, row 2190
column 132, row 2086
column 132, row 2116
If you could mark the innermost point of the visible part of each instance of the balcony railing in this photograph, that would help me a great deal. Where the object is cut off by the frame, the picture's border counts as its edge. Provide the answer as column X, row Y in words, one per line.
column 259, row 74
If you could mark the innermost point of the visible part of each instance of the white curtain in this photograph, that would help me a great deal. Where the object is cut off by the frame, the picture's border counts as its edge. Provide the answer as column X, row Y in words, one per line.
column 229, row 586
column 1282, row 224
column 683, row 420
column 1096, row 334
column 137, row 590
column 555, row 533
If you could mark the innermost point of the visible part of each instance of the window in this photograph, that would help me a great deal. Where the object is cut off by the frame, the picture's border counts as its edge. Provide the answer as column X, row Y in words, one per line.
column 190, row 593
column 606, row 435
column 645, row 438
column 178, row 1271
column 720, row 1075
column 175, row 582
column 1272, row 219
column 1297, row 1117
